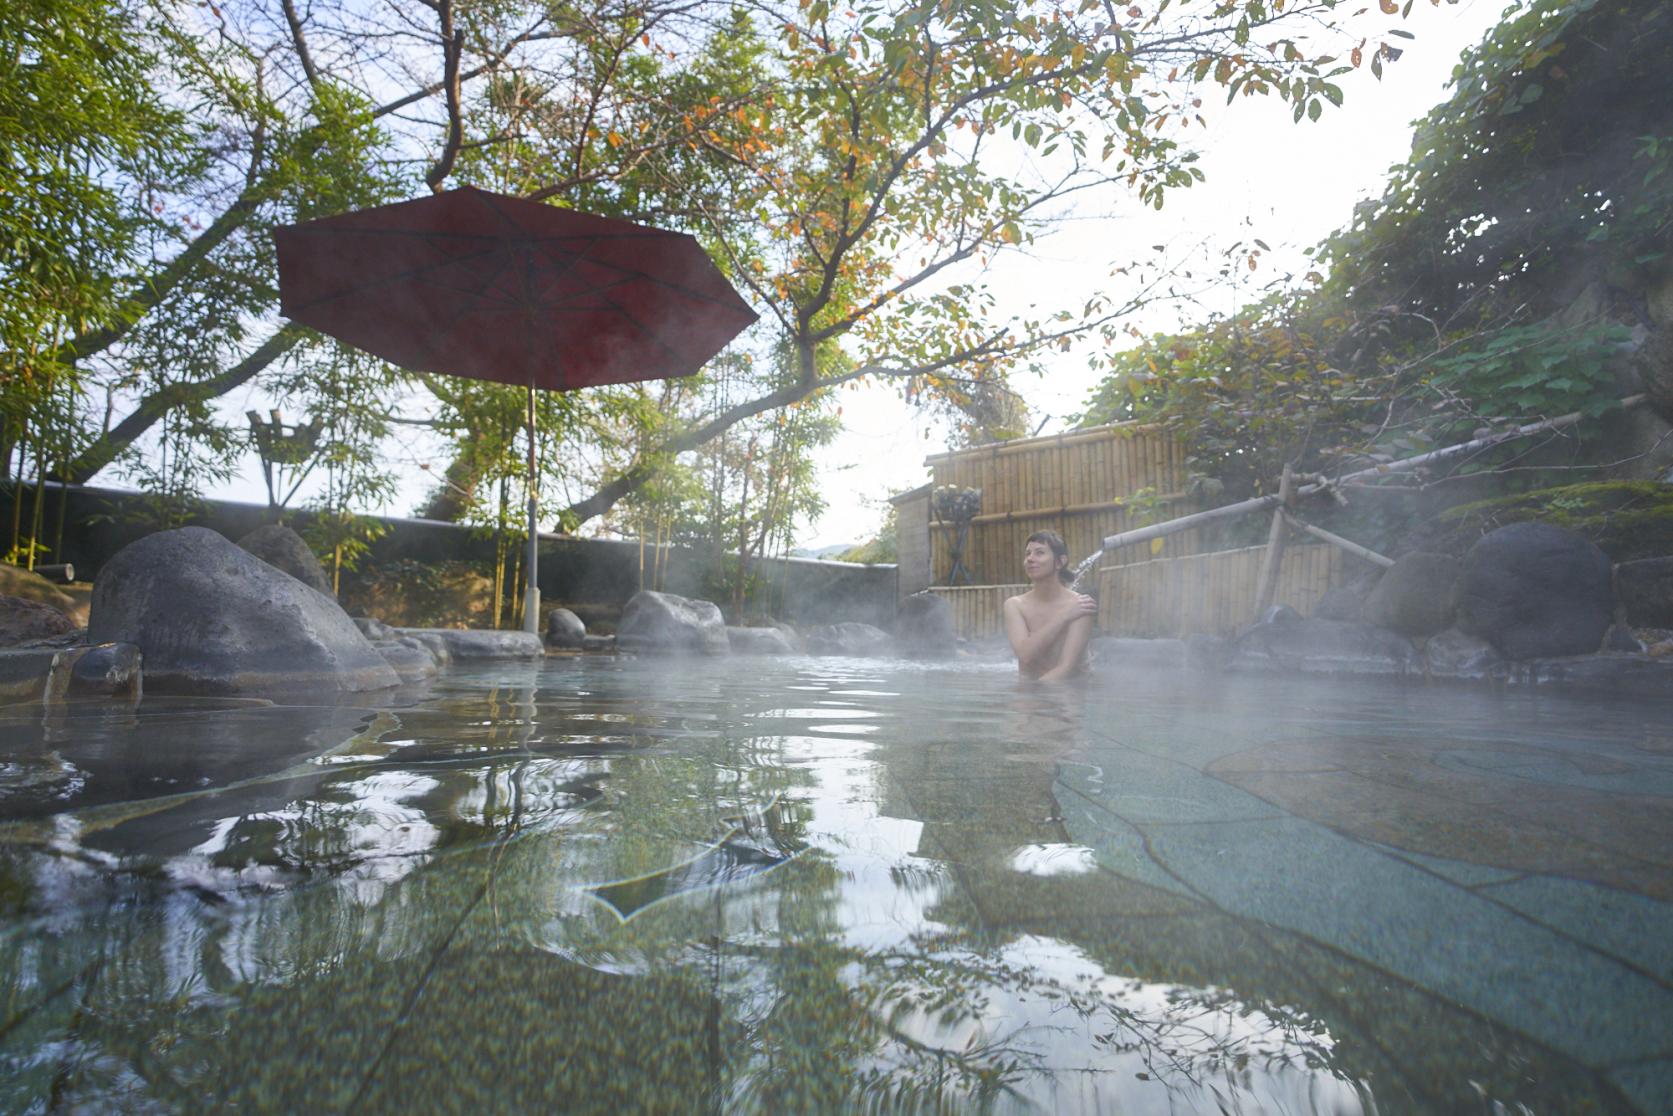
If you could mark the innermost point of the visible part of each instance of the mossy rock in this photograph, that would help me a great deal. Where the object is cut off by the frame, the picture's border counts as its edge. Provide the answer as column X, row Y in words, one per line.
column 1627, row 520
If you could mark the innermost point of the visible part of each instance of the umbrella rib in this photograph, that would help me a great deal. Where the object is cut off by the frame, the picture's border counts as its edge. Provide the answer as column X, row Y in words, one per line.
column 646, row 331
column 412, row 273
column 585, row 242
column 665, row 284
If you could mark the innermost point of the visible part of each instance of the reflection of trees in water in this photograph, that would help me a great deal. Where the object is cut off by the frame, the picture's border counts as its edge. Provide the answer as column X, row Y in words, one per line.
column 896, row 961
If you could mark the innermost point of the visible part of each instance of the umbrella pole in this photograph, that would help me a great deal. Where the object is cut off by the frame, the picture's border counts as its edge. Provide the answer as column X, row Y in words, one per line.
column 531, row 591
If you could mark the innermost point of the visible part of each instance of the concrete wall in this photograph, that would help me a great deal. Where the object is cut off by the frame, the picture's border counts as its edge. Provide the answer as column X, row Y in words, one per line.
column 912, row 549
column 99, row 522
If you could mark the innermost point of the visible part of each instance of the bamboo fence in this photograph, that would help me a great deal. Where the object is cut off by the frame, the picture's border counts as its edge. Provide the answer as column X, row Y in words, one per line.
column 1078, row 484
column 1168, row 598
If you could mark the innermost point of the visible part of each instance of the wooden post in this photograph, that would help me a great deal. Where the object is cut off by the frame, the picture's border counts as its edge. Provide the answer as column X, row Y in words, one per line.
column 1275, row 538
column 531, row 582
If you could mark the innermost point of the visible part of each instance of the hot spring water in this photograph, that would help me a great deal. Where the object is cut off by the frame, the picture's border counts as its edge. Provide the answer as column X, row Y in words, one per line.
column 800, row 885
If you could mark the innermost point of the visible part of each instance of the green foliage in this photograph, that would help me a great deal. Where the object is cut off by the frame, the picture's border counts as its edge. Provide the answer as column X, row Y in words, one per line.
column 83, row 132
column 832, row 157
column 1495, row 281
column 883, row 547
column 1246, row 392
column 1628, row 520
column 1545, row 169
column 1535, row 370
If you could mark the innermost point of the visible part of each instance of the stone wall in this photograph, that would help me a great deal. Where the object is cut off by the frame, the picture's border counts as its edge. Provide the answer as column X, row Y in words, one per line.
column 101, row 521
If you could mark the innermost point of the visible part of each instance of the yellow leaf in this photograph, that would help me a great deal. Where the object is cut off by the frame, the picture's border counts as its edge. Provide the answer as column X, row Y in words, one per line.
column 1156, row 546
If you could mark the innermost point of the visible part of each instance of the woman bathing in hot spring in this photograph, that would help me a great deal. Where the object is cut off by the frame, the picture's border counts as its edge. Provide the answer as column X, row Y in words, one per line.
column 1050, row 625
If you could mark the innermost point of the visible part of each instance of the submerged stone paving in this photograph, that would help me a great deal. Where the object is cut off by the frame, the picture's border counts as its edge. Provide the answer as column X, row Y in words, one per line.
column 828, row 885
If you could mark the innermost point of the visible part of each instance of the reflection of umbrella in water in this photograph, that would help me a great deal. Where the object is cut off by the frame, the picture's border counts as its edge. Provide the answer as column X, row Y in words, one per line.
column 471, row 283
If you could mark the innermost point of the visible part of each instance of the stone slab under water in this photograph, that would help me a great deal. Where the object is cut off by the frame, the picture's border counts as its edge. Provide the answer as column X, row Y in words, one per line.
column 818, row 885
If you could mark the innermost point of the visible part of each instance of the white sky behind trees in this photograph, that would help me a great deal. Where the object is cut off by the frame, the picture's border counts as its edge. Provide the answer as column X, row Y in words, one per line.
column 1288, row 184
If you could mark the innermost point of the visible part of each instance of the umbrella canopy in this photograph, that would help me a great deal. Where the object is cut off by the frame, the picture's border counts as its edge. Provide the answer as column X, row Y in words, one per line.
column 472, row 283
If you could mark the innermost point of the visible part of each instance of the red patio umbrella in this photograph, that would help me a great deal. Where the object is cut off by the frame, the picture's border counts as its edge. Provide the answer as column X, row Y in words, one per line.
column 472, row 283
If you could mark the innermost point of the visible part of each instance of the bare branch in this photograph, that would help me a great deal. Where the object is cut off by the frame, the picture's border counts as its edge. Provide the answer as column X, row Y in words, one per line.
column 453, row 47
column 300, row 41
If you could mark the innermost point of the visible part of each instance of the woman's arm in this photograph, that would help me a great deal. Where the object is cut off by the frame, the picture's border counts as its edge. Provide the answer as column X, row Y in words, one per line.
column 1034, row 649
column 1073, row 648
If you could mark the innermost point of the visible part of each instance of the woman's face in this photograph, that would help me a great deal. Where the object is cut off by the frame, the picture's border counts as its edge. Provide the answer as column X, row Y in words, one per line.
column 1038, row 561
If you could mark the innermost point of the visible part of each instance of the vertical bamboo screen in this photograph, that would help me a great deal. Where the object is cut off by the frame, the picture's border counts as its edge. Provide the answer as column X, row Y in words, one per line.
column 1169, row 598
column 1068, row 483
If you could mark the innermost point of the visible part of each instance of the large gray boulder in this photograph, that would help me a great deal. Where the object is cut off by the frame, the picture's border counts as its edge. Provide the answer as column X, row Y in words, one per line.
column 759, row 641
column 1609, row 673
column 283, row 549
column 1452, row 654
column 412, row 658
column 665, row 624
column 449, row 644
column 1340, row 602
column 564, row 629
column 849, row 638
column 1645, row 588
column 1536, row 591
column 924, row 627
column 211, row 618
column 1414, row 596
column 1323, row 647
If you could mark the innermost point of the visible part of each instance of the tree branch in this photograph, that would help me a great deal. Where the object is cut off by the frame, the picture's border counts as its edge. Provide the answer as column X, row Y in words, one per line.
column 644, row 468
column 300, row 42
column 153, row 407
column 453, row 48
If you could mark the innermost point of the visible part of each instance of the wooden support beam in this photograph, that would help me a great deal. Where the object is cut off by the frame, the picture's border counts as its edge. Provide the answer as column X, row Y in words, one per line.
column 1338, row 541
column 1272, row 562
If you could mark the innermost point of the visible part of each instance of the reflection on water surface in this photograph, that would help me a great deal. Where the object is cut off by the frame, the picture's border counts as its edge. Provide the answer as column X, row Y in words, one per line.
column 826, row 885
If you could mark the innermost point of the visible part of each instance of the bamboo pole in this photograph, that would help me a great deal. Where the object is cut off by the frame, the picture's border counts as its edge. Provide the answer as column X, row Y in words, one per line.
column 1275, row 538
column 1259, row 503
column 1338, row 541
column 1186, row 522
column 1487, row 442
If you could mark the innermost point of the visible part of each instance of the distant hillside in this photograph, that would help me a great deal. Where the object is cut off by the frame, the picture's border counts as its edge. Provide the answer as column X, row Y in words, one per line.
column 822, row 552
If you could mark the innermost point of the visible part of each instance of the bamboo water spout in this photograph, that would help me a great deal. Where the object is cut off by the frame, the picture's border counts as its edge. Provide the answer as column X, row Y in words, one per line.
column 1083, row 567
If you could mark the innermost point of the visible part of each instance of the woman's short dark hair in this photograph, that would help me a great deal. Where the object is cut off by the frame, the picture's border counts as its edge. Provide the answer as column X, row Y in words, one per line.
column 1059, row 549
